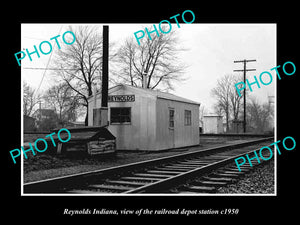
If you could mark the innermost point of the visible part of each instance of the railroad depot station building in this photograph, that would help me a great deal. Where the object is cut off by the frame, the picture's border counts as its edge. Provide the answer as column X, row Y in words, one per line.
column 144, row 119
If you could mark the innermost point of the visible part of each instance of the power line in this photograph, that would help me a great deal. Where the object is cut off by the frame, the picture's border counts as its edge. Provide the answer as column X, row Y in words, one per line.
column 39, row 68
column 47, row 64
column 33, row 38
column 244, row 70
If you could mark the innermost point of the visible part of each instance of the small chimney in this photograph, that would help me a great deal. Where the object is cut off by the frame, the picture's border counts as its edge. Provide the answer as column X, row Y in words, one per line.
column 104, row 92
column 105, row 68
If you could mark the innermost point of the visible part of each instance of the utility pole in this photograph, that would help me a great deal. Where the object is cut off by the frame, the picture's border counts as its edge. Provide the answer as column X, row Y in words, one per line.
column 244, row 70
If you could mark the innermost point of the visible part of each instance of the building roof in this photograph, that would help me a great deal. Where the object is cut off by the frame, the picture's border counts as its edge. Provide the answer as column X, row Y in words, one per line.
column 155, row 93
column 28, row 117
column 44, row 112
column 212, row 115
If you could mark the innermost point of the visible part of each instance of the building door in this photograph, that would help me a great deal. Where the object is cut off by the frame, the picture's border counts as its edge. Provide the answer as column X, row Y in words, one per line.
column 172, row 127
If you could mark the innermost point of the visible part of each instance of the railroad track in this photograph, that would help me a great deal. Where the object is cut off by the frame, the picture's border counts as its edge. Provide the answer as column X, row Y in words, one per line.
column 156, row 175
column 207, row 183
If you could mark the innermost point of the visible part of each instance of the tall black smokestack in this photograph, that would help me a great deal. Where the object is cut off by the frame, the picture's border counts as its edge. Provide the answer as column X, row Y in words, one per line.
column 105, row 68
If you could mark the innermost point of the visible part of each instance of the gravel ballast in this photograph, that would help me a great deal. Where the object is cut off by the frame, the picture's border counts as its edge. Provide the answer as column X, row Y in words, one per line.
column 259, row 181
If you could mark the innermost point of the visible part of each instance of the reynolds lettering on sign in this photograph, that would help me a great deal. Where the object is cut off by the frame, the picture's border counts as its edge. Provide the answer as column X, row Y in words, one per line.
column 121, row 98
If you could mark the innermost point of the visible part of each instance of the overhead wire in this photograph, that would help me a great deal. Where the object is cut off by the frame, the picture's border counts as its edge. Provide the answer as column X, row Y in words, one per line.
column 45, row 69
column 39, row 68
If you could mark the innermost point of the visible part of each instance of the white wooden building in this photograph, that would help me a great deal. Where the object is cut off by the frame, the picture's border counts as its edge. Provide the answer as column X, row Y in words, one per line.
column 212, row 124
column 144, row 119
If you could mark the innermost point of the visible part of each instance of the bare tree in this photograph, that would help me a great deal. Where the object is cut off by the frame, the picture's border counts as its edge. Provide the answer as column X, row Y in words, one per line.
column 228, row 101
column 80, row 63
column 235, row 99
column 158, row 58
column 29, row 99
column 221, row 93
column 64, row 101
column 259, row 115
column 202, row 112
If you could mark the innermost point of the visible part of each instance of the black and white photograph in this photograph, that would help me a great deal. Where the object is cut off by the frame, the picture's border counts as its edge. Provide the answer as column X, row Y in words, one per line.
column 151, row 113
column 161, row 114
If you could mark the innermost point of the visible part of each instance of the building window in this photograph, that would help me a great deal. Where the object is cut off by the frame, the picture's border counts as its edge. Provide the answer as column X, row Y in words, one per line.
column 120, row 115
column 171, row 117
column 187, row 118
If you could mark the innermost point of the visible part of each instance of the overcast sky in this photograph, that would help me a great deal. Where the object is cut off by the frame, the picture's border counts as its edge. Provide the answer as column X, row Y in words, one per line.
column 212, row 48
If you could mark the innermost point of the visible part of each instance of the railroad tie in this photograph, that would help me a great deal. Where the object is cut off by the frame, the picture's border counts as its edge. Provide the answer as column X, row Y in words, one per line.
column 179, row 170
column 246, row 169
column 163, row 172
column 201, row 189
column 124, row 182
column 210, row 183
column 141, row 178
column 219, row 179
column 152, row 175
column 186, row 192
column 231, row 172
column 194, row 163
column 75, row 191
column 182, row 168
column 109, row 187
column 221, row 174
column 179, row 165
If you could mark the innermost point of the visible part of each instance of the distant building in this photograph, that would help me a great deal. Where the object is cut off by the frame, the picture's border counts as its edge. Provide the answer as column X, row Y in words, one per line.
column 44, row 114
column 29, row 123
column 212, row 124
column 144, row 119
column 45, row 119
